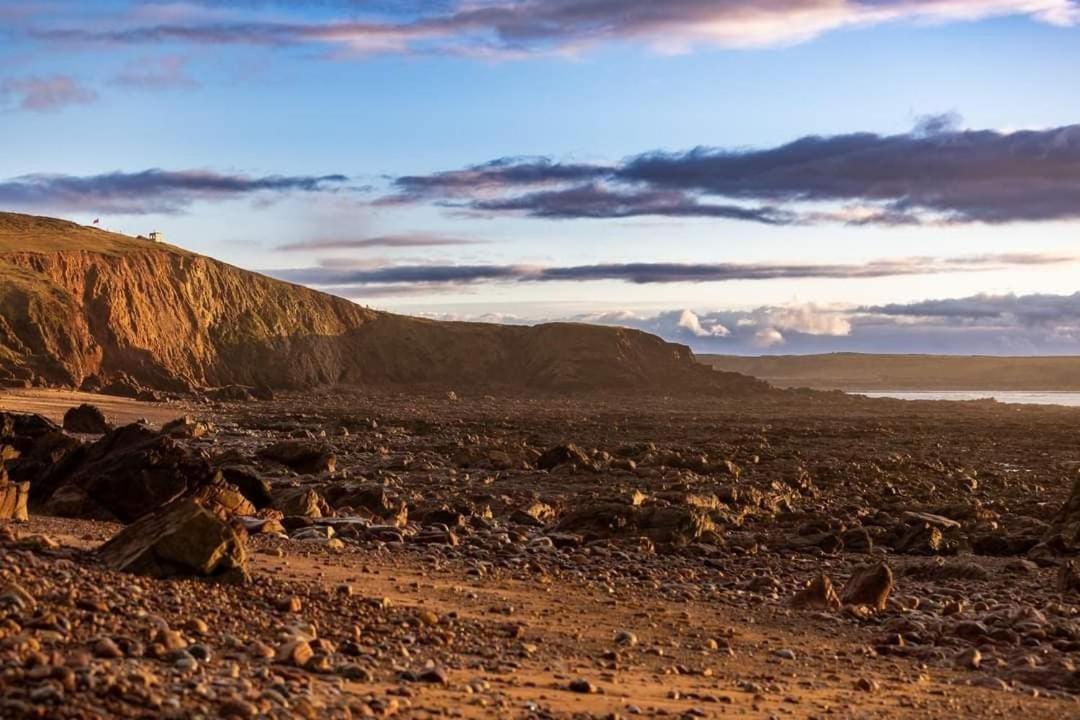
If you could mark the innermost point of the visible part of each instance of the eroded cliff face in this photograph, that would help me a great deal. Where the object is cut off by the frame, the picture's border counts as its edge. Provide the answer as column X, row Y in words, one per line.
column 76, row 302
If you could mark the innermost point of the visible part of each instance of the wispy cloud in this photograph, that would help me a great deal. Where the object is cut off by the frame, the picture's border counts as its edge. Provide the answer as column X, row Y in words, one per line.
column 45, row 93
column 151, row 191
column 647, row 273
column 167, row 72
column 935, row 174
column 411, row 240
column 514, row 28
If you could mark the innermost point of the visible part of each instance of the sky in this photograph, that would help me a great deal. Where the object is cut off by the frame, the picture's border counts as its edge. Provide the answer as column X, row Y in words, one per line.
column 761, row 177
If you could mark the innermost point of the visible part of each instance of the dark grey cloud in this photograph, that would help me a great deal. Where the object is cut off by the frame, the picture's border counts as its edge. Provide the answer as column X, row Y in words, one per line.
column 935, row 174
column 1013, row 309
column 522, row 27
column 44, row 93
column 151, row 191
column 381, row 241
column 647, row 273
column 595, row 201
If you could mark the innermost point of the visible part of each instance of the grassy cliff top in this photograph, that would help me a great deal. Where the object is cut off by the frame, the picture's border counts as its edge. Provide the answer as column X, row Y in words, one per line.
column 30, row 233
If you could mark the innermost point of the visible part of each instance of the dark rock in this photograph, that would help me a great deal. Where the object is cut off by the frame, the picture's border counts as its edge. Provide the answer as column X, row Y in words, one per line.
column 185, row 428
column 86, row 419
column 256, row 489
column 1063, row 536
column 819, row 594
column 565, row 455
column 302, row 456
column 182, row 538
column 126, row 474
column 870, row 586
column 298, row 501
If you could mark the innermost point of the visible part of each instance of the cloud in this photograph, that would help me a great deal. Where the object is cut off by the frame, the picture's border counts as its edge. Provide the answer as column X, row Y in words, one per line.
column 382, row 241
column 648, row 273
column 1039, row 324
column 516, row 28
column 46, row 93
column 689, row 320
column 151, row 191
column 167, row 72
column 935, row 174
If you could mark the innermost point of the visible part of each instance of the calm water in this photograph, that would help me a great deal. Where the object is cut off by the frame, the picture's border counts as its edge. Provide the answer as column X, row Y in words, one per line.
column 1019, row 397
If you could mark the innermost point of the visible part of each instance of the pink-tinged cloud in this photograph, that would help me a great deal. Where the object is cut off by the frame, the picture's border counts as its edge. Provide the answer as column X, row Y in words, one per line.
column 46, row 93
column 514, row 28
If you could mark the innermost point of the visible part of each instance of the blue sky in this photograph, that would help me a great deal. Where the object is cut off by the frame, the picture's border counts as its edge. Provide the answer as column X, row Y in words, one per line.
column 268, row 124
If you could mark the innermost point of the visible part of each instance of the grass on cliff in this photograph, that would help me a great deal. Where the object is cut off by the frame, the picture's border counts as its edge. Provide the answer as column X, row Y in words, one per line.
column 30, row 233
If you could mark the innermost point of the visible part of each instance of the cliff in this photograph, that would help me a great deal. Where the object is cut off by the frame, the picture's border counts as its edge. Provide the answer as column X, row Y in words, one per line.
column 78, row 302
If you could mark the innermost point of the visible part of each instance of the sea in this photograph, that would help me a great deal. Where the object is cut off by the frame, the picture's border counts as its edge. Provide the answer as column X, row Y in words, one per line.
column 1014, row 397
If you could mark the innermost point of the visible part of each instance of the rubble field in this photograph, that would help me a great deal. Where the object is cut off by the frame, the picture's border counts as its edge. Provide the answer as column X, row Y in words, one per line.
column 347, row 554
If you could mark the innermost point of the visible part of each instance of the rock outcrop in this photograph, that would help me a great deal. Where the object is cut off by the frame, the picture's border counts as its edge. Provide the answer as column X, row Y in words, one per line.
column 123, row 476
column 182, row 538
column 83, row 307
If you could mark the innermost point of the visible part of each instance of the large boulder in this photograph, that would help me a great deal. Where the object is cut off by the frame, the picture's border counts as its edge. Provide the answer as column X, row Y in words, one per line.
column 676, row 525
column 31, row 444
column 126, row 474
column 182, row 538
column 86, row 419
column 305, row 457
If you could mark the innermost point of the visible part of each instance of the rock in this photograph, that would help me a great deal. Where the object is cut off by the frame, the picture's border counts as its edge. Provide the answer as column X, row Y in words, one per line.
column 922, row 538
column 295, row 652
column 582, row 686
column 224, row 500
column 256, row 489
column 375, row 499
column 182, row 538
column 126, row 474
column 186, row 428
column 13, row 498
column 86, row 419
column 819, row 594
column 564, row 455
column 298, row 501
column 1062, row 538
column 1068, row 578
column 870, row 586
column 536, row 514
column 969, row 659
column 302, row 456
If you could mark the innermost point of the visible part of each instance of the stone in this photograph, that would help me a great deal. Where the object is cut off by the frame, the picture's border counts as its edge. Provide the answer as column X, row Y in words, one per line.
column 224, row 500
column 86, row 419
column 1068, row 578
column 180, row 539
column 255, row 488
column 869, row 585
column 304, row 457
column 299, row 501
column 582, row 686
column 564, row 455
column 126, row 474
column 13, row 498
column 186, row 428
column 1062, row 538
column 819, row 594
